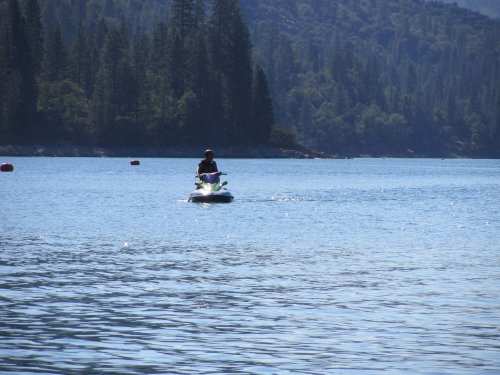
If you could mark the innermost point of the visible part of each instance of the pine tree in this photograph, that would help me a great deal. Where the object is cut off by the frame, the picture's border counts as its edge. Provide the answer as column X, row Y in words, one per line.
column 112, row 99
column 197, row 59
column 176, row 65
column 183, row 13
column 82, row 62
column 282, row 75
column 55, row 64
column 18, row 77
column 262, row 108
column 140, row 59
column 159, row 48
column 231, row 58
column 4, row 70
column 197, row 79
column 159, row 97
column 34, row 33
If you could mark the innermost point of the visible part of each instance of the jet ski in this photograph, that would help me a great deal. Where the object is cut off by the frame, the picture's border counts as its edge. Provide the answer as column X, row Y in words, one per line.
column 210, row 189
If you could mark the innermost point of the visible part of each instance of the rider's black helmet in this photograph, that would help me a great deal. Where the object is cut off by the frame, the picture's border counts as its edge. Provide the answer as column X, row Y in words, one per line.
column 208, row 152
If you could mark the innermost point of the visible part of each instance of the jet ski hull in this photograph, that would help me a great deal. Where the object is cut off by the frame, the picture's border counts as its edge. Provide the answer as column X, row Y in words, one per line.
column 201, row 196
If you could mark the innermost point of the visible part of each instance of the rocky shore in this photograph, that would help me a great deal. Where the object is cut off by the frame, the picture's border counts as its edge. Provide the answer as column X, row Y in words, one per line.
column 160, row 152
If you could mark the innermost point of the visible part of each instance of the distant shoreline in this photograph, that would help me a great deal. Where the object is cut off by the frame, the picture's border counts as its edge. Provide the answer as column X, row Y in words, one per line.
column 181, row 151
column 267, row 152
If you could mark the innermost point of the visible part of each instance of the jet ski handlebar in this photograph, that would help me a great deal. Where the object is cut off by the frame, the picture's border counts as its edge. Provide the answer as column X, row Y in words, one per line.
column 213, row 174
column 211, row 177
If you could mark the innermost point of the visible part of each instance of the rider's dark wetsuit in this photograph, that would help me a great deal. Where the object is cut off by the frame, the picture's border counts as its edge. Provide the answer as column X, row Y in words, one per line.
column 206, row 166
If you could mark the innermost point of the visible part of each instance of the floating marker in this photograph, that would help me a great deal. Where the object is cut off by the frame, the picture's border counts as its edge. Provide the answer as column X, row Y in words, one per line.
column 6, row 167
column 135, row 162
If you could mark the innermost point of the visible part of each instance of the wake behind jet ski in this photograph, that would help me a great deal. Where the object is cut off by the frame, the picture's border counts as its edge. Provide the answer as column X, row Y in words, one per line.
column 210, row 189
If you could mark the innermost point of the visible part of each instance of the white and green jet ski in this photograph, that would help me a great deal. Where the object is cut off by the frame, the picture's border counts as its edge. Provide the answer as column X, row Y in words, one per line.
column 210, row 189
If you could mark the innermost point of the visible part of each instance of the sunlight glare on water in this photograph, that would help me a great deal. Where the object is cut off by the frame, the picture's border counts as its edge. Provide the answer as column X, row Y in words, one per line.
column 318, row 266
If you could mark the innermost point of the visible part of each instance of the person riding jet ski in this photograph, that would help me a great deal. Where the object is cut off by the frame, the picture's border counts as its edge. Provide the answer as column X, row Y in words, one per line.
column 207, row 165
column 210, row 188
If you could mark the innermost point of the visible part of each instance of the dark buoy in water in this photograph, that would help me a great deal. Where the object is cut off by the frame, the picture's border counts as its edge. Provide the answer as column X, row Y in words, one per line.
column 135, row 162
column 6, row 167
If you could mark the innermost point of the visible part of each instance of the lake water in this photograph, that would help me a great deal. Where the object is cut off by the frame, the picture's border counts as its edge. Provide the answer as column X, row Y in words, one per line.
column 317, row 267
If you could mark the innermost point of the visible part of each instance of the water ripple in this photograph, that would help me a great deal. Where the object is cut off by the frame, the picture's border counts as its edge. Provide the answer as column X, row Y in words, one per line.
column 382, row 271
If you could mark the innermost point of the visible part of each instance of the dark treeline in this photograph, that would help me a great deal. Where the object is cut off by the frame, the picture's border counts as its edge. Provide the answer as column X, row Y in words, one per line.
column 190, row 79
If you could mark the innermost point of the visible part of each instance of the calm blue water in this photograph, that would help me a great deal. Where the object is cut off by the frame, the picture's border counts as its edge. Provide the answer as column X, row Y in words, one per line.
column 317, row 267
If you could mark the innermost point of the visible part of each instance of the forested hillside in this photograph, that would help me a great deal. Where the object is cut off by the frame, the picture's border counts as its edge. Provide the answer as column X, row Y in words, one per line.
column 189, row 80
column 394, row 77
column 382, row 76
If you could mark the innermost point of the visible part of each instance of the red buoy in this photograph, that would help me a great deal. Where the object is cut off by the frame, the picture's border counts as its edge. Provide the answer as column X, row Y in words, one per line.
column 135, row 162
column 6, row 167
